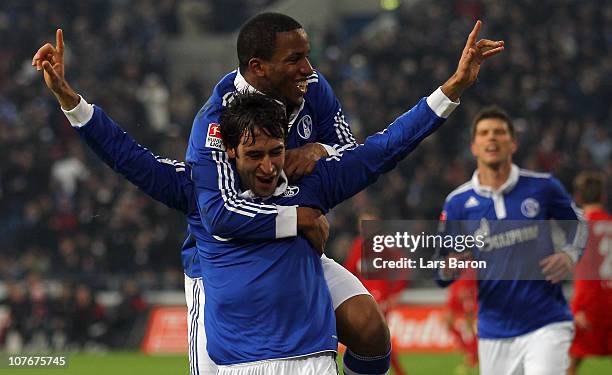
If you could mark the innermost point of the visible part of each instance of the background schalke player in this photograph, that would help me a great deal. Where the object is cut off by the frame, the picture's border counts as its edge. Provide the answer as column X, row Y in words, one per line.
column 524, row 326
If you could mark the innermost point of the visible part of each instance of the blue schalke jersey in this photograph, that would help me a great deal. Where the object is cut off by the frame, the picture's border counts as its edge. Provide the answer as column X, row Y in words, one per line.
column 318, row 119
column 510, row 301
column 265, row 298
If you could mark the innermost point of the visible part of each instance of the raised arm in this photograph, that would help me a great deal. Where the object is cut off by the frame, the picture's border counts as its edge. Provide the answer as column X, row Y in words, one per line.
column 165, row 180
column 353, row 170
column 345, row 175
column 142, row 168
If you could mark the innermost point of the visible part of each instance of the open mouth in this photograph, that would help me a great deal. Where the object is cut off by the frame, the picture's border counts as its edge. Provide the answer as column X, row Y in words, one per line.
column 492, row 148
column 265, row 180
column 302, row 86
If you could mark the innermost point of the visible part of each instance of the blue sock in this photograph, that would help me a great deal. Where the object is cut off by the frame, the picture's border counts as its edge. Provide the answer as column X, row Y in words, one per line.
column 355, row 364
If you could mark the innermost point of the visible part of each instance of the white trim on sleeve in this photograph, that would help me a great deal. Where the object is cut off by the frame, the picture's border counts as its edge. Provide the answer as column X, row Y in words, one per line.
column 572, row 252
column 330, row 150
column 81, row 114
column 441, row 104
column 286, row 221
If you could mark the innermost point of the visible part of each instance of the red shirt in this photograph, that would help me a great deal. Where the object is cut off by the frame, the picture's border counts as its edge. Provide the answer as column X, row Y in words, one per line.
column 463, row 293
column 381, row 290
column 593, row 275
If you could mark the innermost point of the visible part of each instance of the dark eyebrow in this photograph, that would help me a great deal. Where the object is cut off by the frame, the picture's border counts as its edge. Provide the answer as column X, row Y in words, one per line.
column 295, row 55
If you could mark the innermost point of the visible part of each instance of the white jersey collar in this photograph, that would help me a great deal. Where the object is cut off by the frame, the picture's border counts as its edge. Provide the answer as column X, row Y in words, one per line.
column 280, row 189
column 242, row 85
column 507, row 186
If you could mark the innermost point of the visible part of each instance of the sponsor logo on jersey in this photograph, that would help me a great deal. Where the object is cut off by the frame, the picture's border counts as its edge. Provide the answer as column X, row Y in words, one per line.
column 304, row 127
column 213, row 138
column 509, row 238
column 472, row 202
column 530, row 208
column 291, row 191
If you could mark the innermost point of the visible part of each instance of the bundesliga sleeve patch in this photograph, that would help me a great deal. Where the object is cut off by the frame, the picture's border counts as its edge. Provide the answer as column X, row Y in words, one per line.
column 213, row 138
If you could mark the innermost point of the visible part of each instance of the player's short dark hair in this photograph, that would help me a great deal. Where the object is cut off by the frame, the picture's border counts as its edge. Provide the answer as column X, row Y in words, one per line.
column 493, row 112
column 257, row 37
column 590, row 187
column 248, row 112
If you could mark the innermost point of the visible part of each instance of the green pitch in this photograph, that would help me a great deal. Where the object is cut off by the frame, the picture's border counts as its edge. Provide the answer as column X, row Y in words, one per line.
column 128, row 363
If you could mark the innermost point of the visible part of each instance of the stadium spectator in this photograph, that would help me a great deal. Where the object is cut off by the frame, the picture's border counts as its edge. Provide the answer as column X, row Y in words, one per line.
column 18, row 332
column 87, row 325
column 130, row 310
column 60, row 317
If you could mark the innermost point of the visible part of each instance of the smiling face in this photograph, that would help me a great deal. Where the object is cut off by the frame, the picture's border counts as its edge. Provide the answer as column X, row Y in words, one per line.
column 493, row 145
column 259, row 162
column 284, row 75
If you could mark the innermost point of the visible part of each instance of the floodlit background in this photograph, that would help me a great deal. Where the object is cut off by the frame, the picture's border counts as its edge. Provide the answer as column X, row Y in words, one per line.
column 85, row 257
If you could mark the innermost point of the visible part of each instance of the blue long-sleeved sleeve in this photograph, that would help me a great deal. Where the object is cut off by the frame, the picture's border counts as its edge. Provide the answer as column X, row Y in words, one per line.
column 165, row 180
column 332, row 125
column 345, row 175
column 563, row 209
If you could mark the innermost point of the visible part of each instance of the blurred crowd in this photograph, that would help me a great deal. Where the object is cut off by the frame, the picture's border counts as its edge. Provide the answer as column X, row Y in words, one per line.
column 65, row 216
column 70, row 319
column 554, row 79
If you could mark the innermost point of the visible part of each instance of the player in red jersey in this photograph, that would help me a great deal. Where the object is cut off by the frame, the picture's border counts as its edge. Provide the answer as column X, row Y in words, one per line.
column 592, row 302
column 385, row 291
column 461, row 312
column 460, row 315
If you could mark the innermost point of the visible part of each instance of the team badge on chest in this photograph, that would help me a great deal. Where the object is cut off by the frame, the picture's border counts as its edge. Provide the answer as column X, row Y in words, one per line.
column 304, row 127
column 291, row 191
column 530, row 208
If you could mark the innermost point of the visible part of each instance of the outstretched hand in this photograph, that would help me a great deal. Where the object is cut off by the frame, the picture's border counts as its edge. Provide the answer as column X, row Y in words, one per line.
column 473, row 55
column 50, row 59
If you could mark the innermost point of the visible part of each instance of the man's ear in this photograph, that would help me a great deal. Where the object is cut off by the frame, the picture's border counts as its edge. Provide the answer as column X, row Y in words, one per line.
column 231, row 152
column 473, row 149
column 514, row 145
column 257, row 66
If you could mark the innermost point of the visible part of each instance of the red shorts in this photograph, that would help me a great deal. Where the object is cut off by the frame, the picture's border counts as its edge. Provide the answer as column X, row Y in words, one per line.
column 597, row 341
